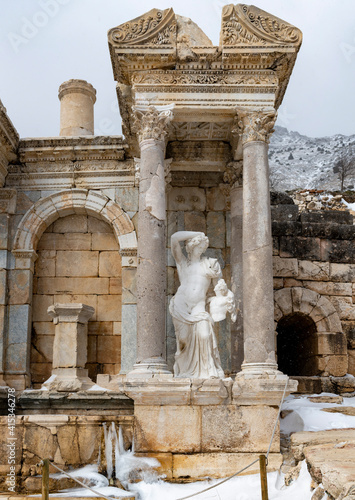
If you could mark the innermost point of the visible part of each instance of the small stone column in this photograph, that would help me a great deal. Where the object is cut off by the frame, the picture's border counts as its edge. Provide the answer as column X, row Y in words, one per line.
column 70, row 347
column 151, row 126
column 234, row 176
column 258, row 295
column 77, row 99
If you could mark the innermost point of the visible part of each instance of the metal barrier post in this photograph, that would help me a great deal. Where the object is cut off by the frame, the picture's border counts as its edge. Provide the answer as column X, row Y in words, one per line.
column 45, row 479
column 263, row 477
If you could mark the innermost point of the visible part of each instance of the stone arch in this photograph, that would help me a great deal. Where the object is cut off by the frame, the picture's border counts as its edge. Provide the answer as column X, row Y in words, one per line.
column 324, row 342
column 69, row 202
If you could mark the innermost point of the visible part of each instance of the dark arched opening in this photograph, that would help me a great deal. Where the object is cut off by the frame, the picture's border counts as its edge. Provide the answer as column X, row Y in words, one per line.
column 296, row 343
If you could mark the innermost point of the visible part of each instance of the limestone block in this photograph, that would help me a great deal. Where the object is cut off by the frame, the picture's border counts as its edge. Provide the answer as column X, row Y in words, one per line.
column 43, row 327
column 231, row 428
column 79, row 200
column 127, row 198
column 95, row 202
column 72, row 286
column 109, row 308
column 342, row 272
column 129, row 337
column 349, row 330
column 331, row 343
column 168, row 428
column 166, row 463
column 129, row 286
column 3, row 297
column 71, row 224
column 216, row 199
column 42, row 350
column 46, row 446
column 275, row 246
column 323, row 309
column 16, row 357
column 285, row 267
column 278, row 283
column 331, row 323
column 300, row 247
column 112, row 211
column 110, row 264
column 90, row 300
column 98, row 226
column 351, row 361
column 74, row 263
column 115, row 286
column 309, row 300
column 283, row 299
column 108, row 349
column 104, row 241
column 335, row 365
column 315, row 271
column 4, row 232
column 195, row 221
column 116, row 327
column 216, row 229
column 20, row 286
column 329, row 288
column 70, row 345
column 70, row 241
column 100, row 328
column 40, row 304
column 68, row 443
column 45, row 264
column 219, row 465
column 187, row 199
column 19, row 323
column 92, row 350
column 128, row 240
column 344, row 307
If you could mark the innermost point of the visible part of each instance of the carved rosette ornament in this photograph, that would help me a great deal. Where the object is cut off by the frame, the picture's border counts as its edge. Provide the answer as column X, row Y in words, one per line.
column 151, row 123
column 255, row 125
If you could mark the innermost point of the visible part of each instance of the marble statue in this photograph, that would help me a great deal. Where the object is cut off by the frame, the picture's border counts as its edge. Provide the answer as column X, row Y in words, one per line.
column 197, row 353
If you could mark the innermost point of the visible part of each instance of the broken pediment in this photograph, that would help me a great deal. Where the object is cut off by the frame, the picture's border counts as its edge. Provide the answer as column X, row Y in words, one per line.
column 248, row 25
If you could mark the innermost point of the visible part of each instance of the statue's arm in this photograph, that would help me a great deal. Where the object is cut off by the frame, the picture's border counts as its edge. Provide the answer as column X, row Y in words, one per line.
column 175, row 243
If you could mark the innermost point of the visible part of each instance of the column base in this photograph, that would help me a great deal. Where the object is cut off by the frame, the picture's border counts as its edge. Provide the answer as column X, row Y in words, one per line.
column 259, row 369
column 68, row 380
column 149, row 368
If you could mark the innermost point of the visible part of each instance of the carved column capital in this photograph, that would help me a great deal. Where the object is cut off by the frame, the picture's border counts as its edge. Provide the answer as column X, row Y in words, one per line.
column 255, row 125
column 233, row 174
column 152, row 123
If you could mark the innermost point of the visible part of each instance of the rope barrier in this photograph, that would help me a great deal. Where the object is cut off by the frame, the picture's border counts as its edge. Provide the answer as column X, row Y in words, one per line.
column 199, row 492
column 247, row 467
column 79, row 482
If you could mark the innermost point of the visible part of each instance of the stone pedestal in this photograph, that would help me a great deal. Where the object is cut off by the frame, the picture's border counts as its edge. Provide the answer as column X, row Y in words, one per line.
column 152, row 128
column 198, row 428
column 258, row 304
column 70, row 347
column 77, row 99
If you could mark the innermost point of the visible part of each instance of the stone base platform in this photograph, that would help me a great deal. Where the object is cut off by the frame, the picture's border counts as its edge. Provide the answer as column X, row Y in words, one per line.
column 182, row 468
column 205, row 428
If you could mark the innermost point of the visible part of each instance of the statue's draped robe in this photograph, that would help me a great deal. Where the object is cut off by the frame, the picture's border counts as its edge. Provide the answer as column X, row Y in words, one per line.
column 197, row 353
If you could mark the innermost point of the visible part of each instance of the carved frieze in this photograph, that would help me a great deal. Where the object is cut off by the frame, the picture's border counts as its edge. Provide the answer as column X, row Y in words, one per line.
column 151, row 123
column 255, row 125
column 248, row 25
column 233, row 174
column 156, row 27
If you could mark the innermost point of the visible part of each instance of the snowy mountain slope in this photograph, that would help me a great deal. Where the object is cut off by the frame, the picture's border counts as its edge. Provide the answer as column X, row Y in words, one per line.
column 301, row 162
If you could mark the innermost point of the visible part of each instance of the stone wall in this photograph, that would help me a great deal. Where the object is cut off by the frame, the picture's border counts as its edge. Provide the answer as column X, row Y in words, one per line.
column 314, row 251
column 78, row 261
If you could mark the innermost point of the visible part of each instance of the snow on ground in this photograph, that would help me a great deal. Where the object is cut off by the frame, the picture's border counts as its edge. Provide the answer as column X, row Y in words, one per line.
column 306, row 415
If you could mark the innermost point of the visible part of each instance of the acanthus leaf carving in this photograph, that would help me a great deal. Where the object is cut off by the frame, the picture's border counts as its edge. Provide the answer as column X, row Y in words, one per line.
column 151, row 123
column 156, row 27
column 255, row 125
column 248, row 25
column 233, row 174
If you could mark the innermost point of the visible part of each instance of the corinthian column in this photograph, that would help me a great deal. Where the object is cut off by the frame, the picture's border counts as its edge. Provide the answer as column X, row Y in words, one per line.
column 258, row 306
column 152, row 127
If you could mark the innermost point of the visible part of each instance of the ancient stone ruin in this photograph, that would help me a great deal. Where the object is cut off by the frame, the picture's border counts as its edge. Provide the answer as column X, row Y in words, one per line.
column 89, row 266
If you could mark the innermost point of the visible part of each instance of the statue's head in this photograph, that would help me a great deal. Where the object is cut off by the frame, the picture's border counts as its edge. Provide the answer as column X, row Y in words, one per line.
column 200, row 243
column 221, row 287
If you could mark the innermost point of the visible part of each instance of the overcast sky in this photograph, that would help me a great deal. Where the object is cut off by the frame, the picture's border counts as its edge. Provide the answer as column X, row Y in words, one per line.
column 46, row 42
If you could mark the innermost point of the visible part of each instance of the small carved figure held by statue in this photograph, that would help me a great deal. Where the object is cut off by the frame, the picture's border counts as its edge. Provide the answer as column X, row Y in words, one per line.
column 222, row 303
column 197, row 353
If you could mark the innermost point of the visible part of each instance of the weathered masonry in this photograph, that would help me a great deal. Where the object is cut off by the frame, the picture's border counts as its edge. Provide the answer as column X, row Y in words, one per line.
column 87, row 272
